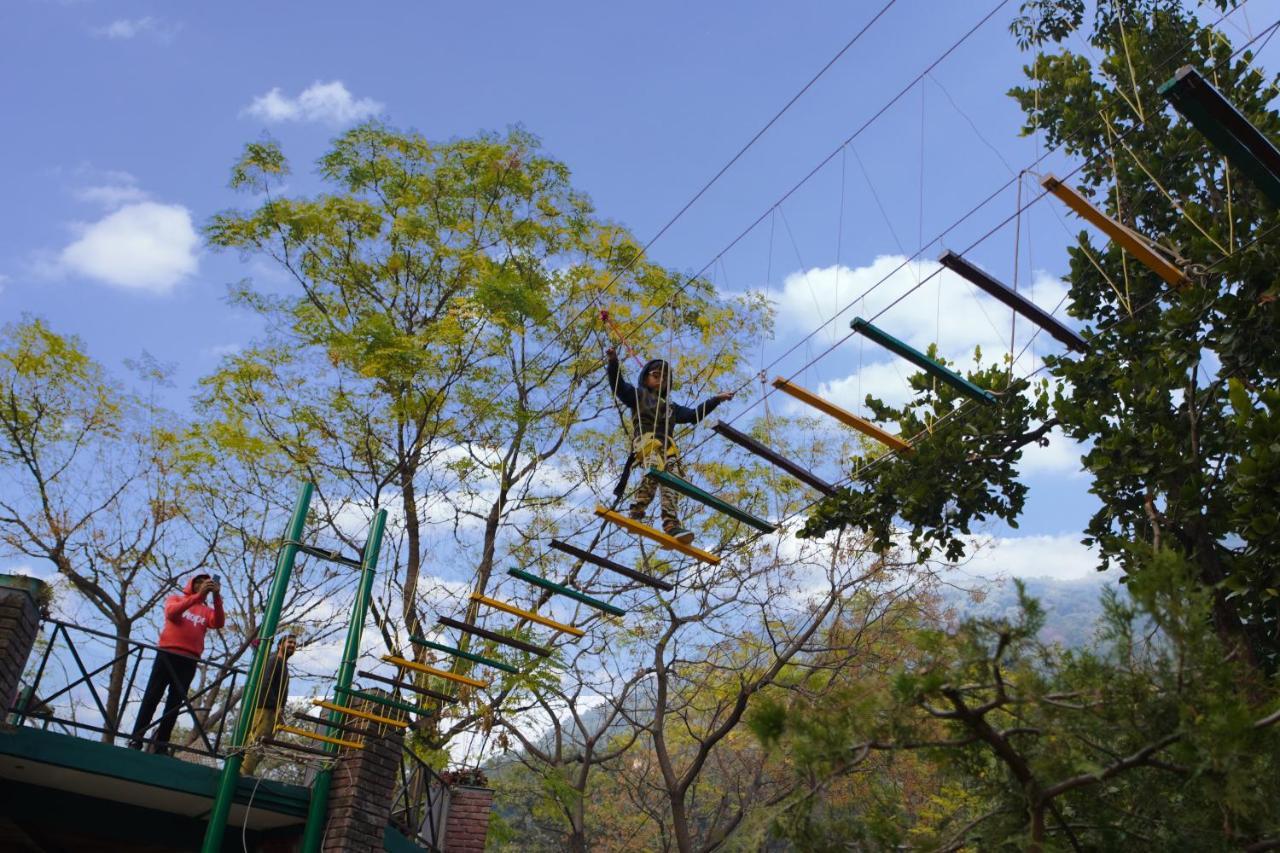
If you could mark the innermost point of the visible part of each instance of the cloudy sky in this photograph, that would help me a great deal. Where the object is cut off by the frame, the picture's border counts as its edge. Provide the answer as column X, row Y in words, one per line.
column 123, row 118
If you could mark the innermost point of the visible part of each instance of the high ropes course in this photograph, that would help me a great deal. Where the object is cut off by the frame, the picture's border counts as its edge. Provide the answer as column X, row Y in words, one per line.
column 423, row 690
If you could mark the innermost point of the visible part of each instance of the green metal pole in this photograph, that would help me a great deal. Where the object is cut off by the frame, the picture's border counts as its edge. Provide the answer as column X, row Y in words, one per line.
column 317, row 810
column 266, row 631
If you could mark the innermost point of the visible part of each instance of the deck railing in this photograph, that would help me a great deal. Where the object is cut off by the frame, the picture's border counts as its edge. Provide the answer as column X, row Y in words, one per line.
column 421, row 802
column 68, row 688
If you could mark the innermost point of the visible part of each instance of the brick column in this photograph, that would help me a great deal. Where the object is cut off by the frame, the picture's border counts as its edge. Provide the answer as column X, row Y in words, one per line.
column 363, row 785
column 19, row 622
column 467, row 821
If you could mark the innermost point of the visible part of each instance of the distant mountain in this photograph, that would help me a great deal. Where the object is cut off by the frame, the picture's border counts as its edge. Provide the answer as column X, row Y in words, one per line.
column 1072, row 608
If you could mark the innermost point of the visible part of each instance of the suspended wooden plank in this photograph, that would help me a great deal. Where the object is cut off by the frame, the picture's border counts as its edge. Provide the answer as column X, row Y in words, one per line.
column 559, row 589
column 684, row 487
column 431, row 670
column 641, row 529
column 1012, row 299
column 1131, row 241
column 913, row 355
column 1226, row 128
column 382, row 700
column 408, row 685
column 527, row 614
column 459, row 653
column 294, row 730
column 772, row 456
column 848, row 418
column 297, row 747
column 356, row 712
column 486, row 634
column 588, row 557
column 341, row 727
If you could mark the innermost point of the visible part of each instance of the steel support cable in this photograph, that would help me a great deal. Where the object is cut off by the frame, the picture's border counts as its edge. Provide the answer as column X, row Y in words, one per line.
column 625, row 335
column 965, row 404
column 921, row 282
column 982, row 204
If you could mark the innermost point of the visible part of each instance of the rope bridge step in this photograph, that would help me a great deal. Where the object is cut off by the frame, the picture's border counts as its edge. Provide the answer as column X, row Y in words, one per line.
column 1134, row 243
column 355, row 712
column 919, row 359
column 588, row 557
column 1227, row 130
column 431, row 670
column 772, row 456
column 297, row 747
column 382, row 700
column 552, row 586
column 408, row 685
column 486, row 634
column 642, row 529
column 688, row 489
column 294, row 730
column 845, row 417
column 342, row 727
column 1012, row 299
column 474, row 658
column 527, row 614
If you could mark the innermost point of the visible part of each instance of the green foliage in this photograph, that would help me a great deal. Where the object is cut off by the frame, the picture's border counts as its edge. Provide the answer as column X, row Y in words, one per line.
column 964, row 471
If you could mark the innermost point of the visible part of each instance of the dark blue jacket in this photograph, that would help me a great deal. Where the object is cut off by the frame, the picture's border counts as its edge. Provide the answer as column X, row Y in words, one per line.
column 654, row 412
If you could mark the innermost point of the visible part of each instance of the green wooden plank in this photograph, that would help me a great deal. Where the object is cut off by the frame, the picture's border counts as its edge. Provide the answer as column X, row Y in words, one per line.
column 1226, row 129
column 474, row 658
column 688, row 489
column 913, row 355
column 379, row 700
column 567, row 592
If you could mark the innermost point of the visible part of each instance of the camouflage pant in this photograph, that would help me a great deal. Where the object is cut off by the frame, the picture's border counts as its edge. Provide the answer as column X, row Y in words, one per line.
column 650, row 453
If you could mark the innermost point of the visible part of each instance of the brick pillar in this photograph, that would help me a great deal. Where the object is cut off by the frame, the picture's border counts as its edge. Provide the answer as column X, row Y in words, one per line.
column 467, row 821
column 19, row 622
column 363, row 785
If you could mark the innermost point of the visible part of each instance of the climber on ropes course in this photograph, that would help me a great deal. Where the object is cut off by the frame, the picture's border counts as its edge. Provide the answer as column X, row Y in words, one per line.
column 653, row 415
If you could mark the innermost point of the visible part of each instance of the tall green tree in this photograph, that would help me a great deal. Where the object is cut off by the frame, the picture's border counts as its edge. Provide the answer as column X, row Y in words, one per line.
column 436, row 349
column 92, row 487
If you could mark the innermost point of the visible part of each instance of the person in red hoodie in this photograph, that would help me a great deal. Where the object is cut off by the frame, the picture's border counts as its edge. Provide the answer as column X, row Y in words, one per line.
column 186, row 618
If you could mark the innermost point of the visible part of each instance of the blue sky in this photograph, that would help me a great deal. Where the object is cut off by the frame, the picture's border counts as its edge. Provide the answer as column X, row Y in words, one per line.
column 124, row 117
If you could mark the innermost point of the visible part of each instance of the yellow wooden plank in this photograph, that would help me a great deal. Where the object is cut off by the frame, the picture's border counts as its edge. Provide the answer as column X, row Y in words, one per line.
column 642, row 529
column 364, row 715
column 526, row 614
column 350, row 744
column 431, row 670
column 1134, row 243
column 845, row 417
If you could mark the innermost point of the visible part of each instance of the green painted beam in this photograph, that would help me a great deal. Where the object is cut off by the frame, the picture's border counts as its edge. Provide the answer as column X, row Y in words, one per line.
column 471, row 656
column 688, row 489
column 913, row 355
column 382, row 700
column 552, row 586
column 1226, row 129
column 270, row 620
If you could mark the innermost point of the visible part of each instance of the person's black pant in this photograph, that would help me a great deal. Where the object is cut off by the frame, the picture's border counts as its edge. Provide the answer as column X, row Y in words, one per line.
column 172, row 672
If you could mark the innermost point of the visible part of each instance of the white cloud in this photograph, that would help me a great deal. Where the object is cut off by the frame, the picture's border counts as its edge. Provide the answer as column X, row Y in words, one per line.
column 142, row 246
column 115, row 189
column 328, row 103
column 1059, row 556
column 124, row 29
column 221, row 350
